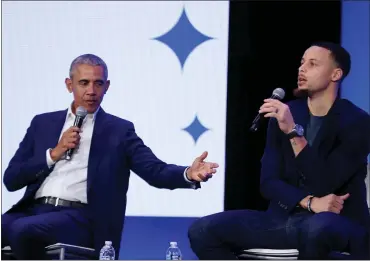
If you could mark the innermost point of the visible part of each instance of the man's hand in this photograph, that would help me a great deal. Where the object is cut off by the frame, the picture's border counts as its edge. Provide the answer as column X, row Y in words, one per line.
column 276, row 109
column 69, row 140
column 331, row 203
column 200, row 170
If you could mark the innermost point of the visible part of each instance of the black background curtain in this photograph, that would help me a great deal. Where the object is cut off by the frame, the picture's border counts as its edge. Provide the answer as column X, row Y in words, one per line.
column 266, row 43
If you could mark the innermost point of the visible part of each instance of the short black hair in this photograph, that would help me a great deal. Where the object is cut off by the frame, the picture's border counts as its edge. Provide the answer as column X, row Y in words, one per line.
column 340, row 55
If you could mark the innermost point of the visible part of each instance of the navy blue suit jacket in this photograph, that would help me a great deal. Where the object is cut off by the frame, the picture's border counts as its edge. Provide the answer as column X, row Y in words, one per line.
column 115, row 150
column 336, row 162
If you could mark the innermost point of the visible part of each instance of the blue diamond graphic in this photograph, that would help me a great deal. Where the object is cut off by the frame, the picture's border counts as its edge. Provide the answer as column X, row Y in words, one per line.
column 183, row 38
column 196, row 129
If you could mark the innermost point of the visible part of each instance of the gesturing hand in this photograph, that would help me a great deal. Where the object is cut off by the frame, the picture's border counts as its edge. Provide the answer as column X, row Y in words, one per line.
column 201, row 170
column 276, row 109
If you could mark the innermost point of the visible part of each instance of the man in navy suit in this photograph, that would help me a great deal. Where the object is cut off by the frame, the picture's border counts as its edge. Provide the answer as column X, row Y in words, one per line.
column 82, row 201
column 313, row 171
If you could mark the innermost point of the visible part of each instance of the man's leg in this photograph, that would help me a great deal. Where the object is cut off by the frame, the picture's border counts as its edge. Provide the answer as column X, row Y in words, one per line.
column 28, row 236
column 6, row 220
column 325, row 232
column 221, row 235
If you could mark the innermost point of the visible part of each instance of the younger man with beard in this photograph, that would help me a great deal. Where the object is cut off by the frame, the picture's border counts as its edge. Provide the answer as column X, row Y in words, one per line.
column 313, row 171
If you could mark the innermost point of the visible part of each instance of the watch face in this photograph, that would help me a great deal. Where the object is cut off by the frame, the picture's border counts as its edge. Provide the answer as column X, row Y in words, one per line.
column 300, row 130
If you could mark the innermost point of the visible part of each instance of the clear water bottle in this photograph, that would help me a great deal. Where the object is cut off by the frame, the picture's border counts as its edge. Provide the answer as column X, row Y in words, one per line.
column 173, row 252
column 107, row 252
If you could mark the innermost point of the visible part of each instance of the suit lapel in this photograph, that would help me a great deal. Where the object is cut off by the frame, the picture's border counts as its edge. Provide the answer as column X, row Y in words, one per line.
column 55, row 129
column 98, row 142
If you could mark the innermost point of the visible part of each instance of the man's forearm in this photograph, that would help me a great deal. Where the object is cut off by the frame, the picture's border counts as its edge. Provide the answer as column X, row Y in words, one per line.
column 298, row 144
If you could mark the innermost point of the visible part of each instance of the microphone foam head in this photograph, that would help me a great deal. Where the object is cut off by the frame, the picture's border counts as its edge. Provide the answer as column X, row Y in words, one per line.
column 279, row 93
column 81, row 112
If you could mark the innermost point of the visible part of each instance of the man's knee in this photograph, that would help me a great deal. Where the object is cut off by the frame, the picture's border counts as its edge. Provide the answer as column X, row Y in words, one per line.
column 198, row 229
column 327, row 228
column 21, row 231
column 24, row 239
column 6, row 222
column 206, row 230
column 321, row 224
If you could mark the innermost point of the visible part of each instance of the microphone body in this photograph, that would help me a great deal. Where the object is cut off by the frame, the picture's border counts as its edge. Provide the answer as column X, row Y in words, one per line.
column 278, row 94
column 80, row 116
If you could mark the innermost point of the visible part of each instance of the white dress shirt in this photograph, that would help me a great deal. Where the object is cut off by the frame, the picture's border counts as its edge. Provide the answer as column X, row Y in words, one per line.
column 68, row 180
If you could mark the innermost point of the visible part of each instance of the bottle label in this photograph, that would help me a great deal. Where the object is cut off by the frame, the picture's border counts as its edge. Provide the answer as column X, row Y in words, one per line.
column 170, row 256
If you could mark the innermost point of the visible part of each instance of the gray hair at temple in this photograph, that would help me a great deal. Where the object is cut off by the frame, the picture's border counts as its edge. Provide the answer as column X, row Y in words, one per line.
column 89, row 59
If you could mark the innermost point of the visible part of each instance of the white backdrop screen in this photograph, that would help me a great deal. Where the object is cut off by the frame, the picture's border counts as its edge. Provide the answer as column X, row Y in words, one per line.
column 167, row 64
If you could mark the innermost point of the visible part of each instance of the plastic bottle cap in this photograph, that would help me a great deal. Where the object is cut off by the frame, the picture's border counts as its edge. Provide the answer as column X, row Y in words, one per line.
column 173, row 243
column 108, row 243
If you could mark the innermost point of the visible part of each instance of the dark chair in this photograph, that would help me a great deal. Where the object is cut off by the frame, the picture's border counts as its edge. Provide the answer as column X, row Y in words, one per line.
column 58, row 251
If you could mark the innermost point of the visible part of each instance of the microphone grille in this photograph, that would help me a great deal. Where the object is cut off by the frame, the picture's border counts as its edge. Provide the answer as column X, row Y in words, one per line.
column 278, row 92
column 81, row 111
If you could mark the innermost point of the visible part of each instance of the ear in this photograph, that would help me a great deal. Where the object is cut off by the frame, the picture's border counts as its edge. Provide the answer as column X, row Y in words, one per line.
column 337, row 75
column 68, row 83
column 107, row 84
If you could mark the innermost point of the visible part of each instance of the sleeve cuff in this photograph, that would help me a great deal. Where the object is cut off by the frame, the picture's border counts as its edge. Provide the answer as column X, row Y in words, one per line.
column 192, row 183
column 49, row 161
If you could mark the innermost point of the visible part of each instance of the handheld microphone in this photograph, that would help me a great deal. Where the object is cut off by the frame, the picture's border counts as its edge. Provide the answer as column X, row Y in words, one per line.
column 278, row 94
column 81, row 113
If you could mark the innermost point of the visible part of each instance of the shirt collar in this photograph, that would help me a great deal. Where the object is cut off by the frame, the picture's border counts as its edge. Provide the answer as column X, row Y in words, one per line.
column 89, row 115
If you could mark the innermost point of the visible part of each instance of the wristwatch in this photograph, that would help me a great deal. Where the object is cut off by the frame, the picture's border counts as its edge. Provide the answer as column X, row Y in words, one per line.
column 297, row 131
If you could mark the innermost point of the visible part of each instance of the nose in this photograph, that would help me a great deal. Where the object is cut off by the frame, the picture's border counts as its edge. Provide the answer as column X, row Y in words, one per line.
column 91, row 90
column 301, row 68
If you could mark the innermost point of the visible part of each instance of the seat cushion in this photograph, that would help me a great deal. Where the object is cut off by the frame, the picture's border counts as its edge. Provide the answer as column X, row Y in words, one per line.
column 291, row 254
column 271, row 252
column 70, row 251
column 6, row 253
column 69, row 247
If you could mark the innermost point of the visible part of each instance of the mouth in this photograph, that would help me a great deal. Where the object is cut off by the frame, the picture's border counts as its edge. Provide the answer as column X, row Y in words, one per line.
column 301, row 80
column 91, row 102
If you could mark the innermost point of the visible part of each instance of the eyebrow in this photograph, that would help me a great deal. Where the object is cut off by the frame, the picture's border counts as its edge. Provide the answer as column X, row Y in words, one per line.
column 97, row 81
column 312, row 59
